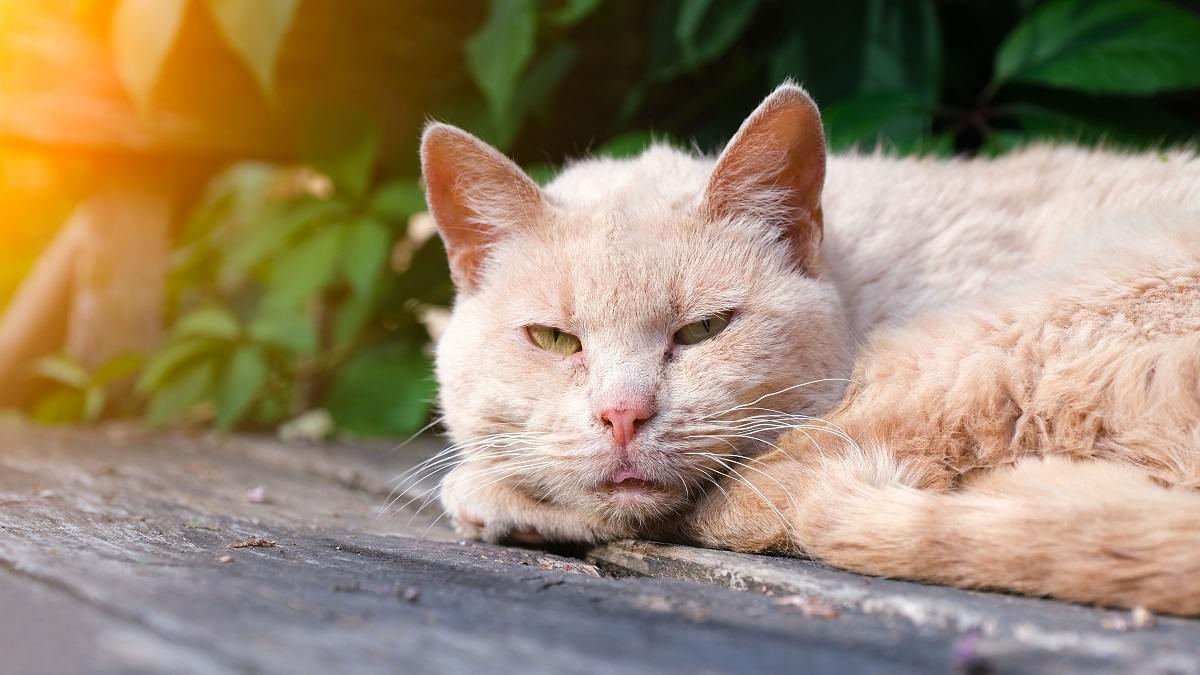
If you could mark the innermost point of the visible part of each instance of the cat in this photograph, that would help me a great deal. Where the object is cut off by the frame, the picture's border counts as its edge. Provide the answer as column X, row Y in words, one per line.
column 977, row 372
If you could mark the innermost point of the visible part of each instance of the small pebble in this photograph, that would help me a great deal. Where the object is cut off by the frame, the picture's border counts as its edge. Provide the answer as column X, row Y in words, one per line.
column 225, row 559
column 257, row 495
column 411, row 594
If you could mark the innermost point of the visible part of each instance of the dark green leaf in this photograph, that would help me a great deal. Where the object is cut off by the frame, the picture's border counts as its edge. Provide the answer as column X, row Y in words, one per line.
column 428, row 275
column 1128, row 123
column 342, row 144
column 897, row 119
column 574, row 11
column 397, row 200
column 542, row 172
column 212, row 322
column 386, row 390
column 704, row 29
column 181, row 392
column 539, row 84
column 240, row 381
column 499, row 51
column 305, row 269
column 628, row 144
column 848, row 49
column 63, row 370
column 288, row 328
column 1114, row 47
column 368, row 246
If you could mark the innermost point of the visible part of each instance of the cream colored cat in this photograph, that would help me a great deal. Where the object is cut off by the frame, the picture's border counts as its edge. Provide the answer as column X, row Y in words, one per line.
column 976, row 372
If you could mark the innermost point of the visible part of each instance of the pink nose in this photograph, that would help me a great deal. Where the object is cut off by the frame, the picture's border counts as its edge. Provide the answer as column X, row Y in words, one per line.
column 624, row 418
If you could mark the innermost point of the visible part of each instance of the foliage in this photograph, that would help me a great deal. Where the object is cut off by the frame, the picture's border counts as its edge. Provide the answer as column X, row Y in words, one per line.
column 143, row 32
column 910, row 75
column 293, row 290
column 285, row 299
column 77, row 394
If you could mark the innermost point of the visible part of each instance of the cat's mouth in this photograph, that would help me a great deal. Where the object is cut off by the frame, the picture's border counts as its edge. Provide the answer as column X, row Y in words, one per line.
column 628, row 483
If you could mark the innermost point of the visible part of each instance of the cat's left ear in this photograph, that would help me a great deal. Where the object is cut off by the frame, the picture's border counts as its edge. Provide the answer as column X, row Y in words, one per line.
column 773, row 171
column 475, row 194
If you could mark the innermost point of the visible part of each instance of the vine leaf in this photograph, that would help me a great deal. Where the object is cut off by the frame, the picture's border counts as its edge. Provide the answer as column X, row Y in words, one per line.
column 255, row 31
column 1119, row 47
column 143, row 32
column 499, row 51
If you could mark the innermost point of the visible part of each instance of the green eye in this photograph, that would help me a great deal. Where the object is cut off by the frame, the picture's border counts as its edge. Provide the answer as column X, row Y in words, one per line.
column 699, row 331
column 554, row 340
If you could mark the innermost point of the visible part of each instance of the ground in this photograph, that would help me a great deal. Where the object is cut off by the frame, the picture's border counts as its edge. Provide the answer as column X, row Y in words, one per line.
column 124, row 551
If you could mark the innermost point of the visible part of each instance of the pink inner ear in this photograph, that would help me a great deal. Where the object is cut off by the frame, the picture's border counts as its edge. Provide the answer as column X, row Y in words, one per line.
column 475, row 194
column 773, row 170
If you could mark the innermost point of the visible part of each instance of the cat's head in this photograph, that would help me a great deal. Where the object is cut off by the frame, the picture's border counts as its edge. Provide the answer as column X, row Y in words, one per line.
column 637, row 326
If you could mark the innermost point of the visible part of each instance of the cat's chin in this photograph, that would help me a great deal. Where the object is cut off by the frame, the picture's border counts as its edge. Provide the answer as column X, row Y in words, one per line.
column 635, row 500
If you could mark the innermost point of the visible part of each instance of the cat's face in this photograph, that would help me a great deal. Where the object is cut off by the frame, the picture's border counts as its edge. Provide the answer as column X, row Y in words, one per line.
column 637, row 327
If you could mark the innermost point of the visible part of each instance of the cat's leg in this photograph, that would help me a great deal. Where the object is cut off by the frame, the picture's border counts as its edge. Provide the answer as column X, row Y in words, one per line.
column 499, row 511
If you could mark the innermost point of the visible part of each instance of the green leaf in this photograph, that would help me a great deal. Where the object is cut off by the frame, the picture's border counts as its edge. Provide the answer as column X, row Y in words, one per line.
column 1114, row 47
column 240, row 382
column 341, row 143
column 180, row 393
column 270, row 234
column 94, row 399
column 898, row 119
column 397, row 200
column 629, row 144
column 499, row 51
column 118, row 367
column 174, row 356
column 848, row 49
column 210, row 321
column 305, row 269
column 254, row 30
column 574, row 11
column 368, row 246
column 386, row 390
column 60, row 407
column 704, row 29
column 351, row 316
column 537, row 87
column 142, row 34
column 286, row 328
column 63, row 370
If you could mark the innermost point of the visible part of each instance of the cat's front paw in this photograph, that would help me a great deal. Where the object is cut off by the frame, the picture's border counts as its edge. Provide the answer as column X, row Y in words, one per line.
column 499, row 513
column 496, row 530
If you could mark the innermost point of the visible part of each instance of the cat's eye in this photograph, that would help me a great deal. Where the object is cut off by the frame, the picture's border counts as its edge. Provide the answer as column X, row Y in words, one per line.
column 554, row 340
column 699, row 331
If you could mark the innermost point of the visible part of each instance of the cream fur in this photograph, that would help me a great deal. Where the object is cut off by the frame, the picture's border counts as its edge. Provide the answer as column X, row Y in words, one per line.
column 1023, row 337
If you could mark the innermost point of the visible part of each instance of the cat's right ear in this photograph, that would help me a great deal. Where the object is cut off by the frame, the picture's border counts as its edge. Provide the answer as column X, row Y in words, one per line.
column 475, row 194
column 773, row 171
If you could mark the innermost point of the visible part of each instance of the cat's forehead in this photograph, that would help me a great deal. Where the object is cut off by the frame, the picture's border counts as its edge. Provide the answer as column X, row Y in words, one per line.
column 660, row 179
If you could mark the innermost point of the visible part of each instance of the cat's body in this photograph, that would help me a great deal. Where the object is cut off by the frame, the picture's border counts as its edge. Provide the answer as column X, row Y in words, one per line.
column 988, row 314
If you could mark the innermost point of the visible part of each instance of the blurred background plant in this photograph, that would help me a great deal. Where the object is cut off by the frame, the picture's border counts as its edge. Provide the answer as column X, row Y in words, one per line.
column 314, row 285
